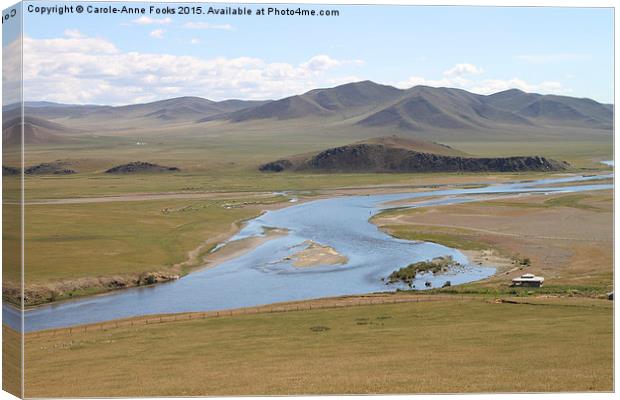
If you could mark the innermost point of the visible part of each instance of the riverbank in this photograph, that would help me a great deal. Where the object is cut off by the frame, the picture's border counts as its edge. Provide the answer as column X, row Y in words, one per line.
column 567, row 238
column 202, row 256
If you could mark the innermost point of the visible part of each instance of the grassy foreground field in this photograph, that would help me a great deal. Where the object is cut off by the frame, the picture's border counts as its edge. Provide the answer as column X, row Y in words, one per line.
column 433, row 347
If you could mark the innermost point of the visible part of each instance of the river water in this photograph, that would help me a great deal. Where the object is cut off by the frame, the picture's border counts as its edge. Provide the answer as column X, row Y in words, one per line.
column 262, row 276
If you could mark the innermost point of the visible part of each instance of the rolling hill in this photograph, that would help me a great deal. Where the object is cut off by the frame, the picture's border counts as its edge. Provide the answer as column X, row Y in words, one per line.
column 345, row 100
column 176, row 110
column 554, row 109
column 36, row 131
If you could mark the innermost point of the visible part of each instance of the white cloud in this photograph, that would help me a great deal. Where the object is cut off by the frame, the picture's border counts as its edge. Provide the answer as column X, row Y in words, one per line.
column 144, row 20
column 544, row 58
column 94, row 70
column 206, row 25
column 157, row 33
column 463, row 69
column 195, row 41
column 323, row 62
column 73, row 33
column 12, row 72
column 455, row 78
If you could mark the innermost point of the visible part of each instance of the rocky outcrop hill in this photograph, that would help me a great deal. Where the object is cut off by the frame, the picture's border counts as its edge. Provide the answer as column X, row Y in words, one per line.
column 381, row 157
column 140, row 167
column 52, row 168
column 10, row 171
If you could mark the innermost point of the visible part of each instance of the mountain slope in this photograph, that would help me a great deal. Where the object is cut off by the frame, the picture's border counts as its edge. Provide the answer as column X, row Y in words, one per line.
column 553, row 109
column 349, row 99
column 36, row 131
column 425, row 108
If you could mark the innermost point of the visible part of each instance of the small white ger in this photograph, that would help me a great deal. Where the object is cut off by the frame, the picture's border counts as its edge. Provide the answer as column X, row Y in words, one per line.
column 529, row 280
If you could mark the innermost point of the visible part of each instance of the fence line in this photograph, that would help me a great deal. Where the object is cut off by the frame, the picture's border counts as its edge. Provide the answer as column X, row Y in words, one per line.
column 319, row 304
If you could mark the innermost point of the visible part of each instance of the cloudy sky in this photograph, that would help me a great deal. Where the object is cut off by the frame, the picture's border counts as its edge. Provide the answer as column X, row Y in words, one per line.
column 122, row 59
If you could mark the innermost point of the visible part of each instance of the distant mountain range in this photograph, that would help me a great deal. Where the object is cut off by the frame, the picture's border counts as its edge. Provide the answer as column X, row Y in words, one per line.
column 366, row 106
column 422, row 107
column 176, row 109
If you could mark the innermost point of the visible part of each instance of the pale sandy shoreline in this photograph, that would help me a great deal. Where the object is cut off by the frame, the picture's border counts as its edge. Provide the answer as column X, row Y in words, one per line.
column 237, row 248
column 489, row 258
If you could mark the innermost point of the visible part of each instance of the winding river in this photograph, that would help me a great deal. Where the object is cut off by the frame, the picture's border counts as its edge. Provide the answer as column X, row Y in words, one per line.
column 262, row 276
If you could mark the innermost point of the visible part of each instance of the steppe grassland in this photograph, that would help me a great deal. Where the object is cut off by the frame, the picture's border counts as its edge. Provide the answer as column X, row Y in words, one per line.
column 441, row 346
column 103, row 239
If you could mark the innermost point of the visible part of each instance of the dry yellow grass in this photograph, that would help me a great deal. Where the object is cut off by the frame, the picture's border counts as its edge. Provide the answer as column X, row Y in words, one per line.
column 11, row 361
column 442, row 346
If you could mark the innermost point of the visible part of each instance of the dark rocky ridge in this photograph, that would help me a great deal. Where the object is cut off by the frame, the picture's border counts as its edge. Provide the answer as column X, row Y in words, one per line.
column 10, row 171
column 364, row 157
column 140, row 167
column 53, row 168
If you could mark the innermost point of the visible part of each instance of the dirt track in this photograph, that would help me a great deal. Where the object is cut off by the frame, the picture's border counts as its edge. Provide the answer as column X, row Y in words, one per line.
column 146, row 196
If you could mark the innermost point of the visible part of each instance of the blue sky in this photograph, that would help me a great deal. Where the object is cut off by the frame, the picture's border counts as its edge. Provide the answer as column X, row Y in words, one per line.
column 120, row 59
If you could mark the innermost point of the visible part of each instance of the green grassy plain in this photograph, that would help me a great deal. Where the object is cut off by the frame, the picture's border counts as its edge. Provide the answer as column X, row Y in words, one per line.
column 433, row 347
column 70, row 246
column 80, row 240
column 239, row 180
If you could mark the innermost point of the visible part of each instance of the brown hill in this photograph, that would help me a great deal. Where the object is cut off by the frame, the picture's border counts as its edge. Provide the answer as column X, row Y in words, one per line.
column 554, row 109
column 346, row 100
column 180, row 109
column 36, row 131
column 426, row 108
